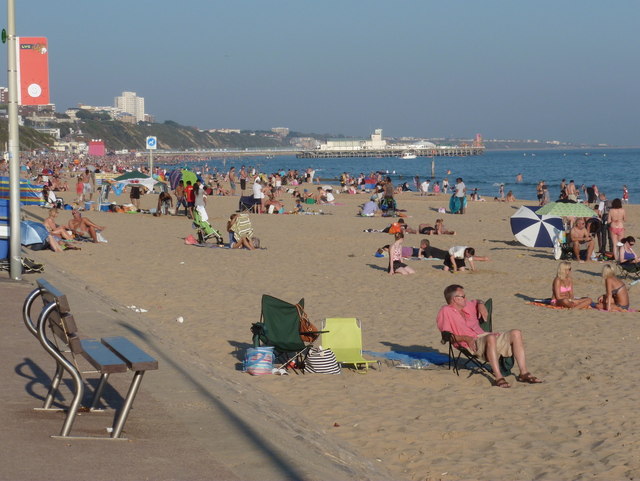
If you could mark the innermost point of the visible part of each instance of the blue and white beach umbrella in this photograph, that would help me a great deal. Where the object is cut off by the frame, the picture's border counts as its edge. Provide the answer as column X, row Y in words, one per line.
column 533, row 230
column 32, row 232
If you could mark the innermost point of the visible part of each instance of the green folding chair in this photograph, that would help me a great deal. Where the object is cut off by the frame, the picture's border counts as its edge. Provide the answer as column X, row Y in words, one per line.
column 282, row 325
column 343, row 335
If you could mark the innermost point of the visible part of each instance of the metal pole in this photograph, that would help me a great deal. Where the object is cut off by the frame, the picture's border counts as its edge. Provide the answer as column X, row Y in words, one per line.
column 433, row 168
column 151, row 163
column 15, row 267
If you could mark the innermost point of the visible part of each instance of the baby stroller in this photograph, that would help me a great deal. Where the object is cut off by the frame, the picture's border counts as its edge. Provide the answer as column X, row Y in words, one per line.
column 204, row 229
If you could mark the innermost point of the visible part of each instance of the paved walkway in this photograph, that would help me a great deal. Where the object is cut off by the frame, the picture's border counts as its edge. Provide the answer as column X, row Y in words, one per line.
column 186, row 424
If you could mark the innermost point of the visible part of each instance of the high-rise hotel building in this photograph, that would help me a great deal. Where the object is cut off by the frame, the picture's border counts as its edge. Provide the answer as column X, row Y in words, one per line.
column 130, row 103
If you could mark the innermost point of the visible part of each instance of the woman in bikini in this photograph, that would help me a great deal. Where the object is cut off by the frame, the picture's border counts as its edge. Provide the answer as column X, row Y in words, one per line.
column 616, row 297
column 55, row 229
column 439, row 229
column 616, row 224
column 563, row 290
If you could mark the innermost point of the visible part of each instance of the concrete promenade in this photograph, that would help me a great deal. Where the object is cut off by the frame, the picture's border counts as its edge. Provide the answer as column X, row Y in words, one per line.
column 186, row 424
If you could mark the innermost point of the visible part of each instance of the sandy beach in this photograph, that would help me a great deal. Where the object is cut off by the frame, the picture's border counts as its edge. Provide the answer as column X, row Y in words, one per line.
column 414, row 424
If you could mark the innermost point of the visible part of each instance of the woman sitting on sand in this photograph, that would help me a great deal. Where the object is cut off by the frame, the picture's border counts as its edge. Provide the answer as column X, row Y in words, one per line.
column 55, row 229
column 563, row 290
column 241, row 232
column 616, row 297
column 396, row 266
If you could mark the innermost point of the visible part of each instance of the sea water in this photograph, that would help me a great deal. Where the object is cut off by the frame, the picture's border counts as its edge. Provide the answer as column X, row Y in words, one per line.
column 609, row 169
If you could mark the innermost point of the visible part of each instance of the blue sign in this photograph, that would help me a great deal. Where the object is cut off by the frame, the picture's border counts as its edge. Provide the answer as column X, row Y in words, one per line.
column 152, row 143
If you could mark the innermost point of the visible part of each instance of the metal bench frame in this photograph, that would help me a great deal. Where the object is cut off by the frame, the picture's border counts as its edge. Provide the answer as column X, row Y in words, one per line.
column 108, row 356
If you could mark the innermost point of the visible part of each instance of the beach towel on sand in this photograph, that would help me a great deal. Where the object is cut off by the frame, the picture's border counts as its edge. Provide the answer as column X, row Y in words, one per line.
column 408, row 358
column 547, row 303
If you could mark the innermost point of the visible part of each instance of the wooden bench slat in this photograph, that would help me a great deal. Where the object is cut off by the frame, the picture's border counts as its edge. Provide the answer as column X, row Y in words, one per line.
column 101, row 358
column 136, row 358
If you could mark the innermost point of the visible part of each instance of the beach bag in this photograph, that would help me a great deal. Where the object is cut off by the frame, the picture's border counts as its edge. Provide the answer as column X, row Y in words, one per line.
column 259, row 360
column 321, row 361
column 308, row 332
column 190, row 240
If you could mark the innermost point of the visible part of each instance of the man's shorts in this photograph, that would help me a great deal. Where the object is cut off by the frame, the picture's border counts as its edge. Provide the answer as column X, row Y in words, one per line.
column 503, row 345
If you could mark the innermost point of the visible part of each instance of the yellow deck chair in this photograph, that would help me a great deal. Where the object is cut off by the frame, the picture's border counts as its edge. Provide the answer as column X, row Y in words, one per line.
column 344, row 337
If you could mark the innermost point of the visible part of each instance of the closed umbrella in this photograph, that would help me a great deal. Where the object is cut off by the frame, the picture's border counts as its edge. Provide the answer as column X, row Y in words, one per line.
column 533, row 230
column 566, row 209
column 32, row 232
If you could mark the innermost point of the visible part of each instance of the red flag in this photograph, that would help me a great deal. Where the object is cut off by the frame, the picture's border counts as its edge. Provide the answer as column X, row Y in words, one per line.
column 33, row 71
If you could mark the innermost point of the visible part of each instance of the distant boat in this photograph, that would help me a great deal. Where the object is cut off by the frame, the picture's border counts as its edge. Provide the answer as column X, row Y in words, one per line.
column 408, row 156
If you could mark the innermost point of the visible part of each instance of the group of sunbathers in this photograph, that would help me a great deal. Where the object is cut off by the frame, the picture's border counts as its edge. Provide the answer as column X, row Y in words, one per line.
column 77, row 227
column 615, row 298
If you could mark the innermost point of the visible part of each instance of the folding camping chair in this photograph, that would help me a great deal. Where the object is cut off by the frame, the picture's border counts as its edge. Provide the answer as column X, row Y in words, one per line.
column 506, row 363
column 204, row 229
column 628, row 270
column 343, row 335
column 286, row 328
column 248, row 203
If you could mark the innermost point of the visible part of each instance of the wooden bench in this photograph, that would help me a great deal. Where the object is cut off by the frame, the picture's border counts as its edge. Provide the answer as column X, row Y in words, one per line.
column 58, row 334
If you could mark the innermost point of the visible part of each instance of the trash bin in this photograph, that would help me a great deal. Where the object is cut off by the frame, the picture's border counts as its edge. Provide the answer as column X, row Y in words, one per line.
column 4, row 228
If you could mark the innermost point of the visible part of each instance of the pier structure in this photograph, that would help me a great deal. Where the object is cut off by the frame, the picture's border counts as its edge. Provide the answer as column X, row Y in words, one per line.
column 394, row 151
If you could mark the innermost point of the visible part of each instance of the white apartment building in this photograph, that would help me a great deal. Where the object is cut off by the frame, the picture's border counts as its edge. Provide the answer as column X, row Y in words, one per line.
column 130, row 103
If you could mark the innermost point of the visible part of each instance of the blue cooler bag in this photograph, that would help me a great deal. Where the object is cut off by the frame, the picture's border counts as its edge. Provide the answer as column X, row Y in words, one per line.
column 259, row 360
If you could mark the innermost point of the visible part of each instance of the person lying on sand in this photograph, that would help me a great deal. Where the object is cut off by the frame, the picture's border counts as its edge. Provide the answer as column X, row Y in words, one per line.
column 438, row 229
column 425, row 251
column 394, row 228
column 460, row 318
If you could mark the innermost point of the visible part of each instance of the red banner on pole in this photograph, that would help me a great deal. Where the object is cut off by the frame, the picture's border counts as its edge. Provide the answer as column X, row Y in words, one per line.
column 33, row 71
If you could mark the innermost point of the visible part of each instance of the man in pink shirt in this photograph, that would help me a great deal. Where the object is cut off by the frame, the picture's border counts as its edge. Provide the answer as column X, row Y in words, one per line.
column 460, row 318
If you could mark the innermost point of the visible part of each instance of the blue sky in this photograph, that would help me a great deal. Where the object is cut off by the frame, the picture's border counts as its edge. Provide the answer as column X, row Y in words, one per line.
column 565, row 70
